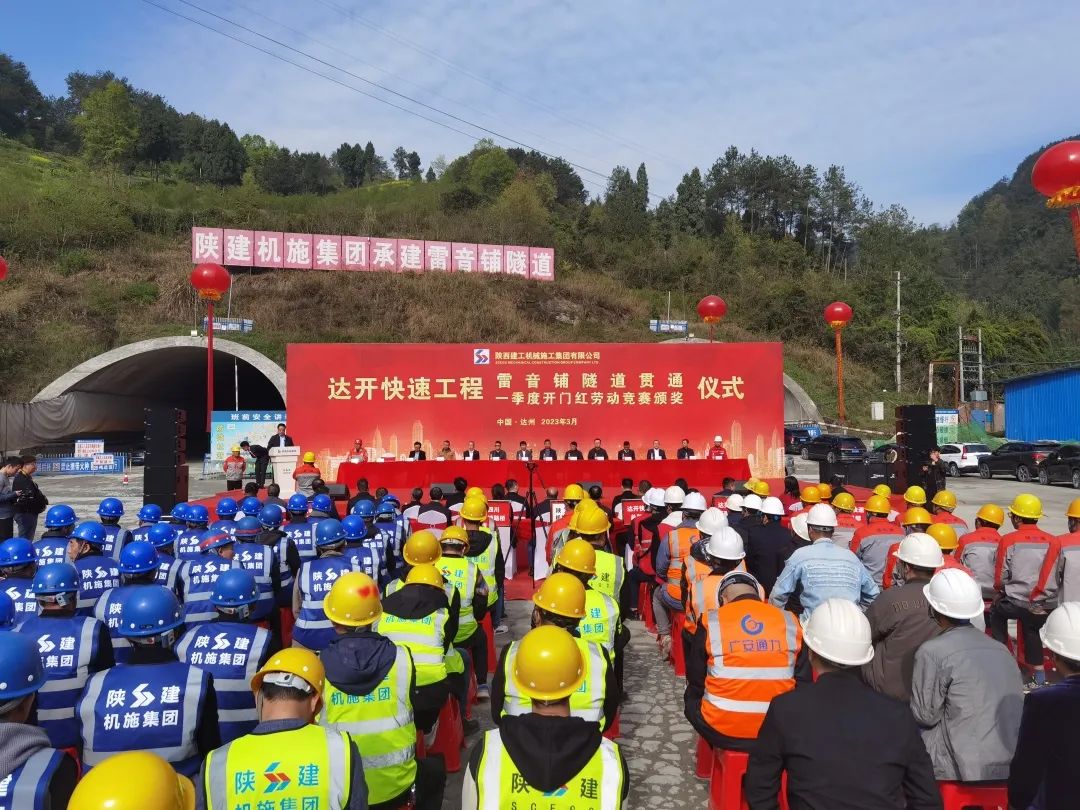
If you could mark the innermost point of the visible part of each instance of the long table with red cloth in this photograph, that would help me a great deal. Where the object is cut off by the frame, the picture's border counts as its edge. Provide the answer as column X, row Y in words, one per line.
column 403, row 475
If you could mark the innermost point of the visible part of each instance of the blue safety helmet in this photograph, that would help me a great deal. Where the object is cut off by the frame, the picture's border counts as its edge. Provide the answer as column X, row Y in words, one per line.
column 235, row 588
column 149, row 611
column 55, row 578
column 227, row 508
column 298, row 504
column 111, row 508
column 198, row 514
column 150, row 513
column 90, row 531
column 21, row 673
column 160, row 535
column 250, row 506
column 16, row 551
column 60, row 516
column 364, row 508
column 385, row 507
column 271, row 516
column 139, row 557
column 247, row 527
column 355, row 528
column 214, row 539
column 323, row 503
column 179, row 513
column 328, row 532
column 391, row 498
column 7, row 611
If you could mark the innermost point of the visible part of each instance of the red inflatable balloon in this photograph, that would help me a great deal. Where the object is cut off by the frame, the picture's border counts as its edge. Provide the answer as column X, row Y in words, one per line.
column 1057, row 168
column 712, row 308
column 3, row 268
column 211, row 280
column 837, row 314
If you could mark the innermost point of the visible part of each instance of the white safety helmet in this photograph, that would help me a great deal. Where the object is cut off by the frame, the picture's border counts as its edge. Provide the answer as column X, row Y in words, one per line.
column 772, row 506
column 717, row 438
column 725, row 544
column 752, row 501
column 711, row 521
column 674, row 495
column 1061, row 633
column 798, row 525
column 695, row 502
column 821, row 514
column 653, row 497
column 954, row 593
column 839, row 632
column 921, row 550
column 734, row 503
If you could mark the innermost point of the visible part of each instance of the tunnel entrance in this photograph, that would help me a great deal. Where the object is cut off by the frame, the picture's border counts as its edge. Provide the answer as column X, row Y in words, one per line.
column 111, row 390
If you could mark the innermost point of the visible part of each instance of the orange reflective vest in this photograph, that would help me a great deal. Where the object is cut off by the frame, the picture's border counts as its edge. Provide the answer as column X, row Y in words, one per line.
column 679, row 542
column 752, row 647
column 702, row 592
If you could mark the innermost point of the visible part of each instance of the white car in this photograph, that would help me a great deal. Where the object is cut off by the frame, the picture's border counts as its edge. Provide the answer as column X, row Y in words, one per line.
column 962, row 458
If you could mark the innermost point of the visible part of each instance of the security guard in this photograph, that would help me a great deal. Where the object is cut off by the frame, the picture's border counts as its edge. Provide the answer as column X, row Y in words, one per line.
column 602, row 622
column 942, row 507
column 138, row 569
column 872, row 541
column 472, row 591
column 313, row 629
column 485, row 552
column 560, row 602
column 110, row 785
column 299, row 529
column 322, row 767
column 362, row 557
column 546, row 757
column 149, row 515
column 18, row 565
column 155, row 703
column 978, row 548
column 368, row 694
column 232, row 648
column 97, row 573
column 260, row 560
column 197, row 576
column 51, row 547
column 162, row 536
column 417, row 616
column 225, row 510
column 188, row 540
column 72, row 648
column 33, row 775
column 109, row 513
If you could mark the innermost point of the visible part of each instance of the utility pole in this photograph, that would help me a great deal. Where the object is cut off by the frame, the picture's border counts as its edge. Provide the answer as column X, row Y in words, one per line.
column 898, row 331
column 960, row 344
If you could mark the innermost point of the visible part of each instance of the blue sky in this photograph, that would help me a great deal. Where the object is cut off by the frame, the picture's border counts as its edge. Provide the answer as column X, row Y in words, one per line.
column 924, row 103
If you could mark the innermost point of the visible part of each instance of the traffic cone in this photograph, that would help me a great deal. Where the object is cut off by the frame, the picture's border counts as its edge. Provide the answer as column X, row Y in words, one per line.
column 125, row 478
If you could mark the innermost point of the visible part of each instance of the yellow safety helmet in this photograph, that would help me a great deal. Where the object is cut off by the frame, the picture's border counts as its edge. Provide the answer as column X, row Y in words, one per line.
column 455, row 534
column 944, row 499
column 878, row 505
column 578, row 555
column 944, row 534
column 758, row 487
column 825, row 491
column 309, row 457
column 915, row 495
column 810, row 494
column 573, row 492
column 475, row 492
column 916, row 516
column 991, row 513
column 1026, row 506
column 236, row 448
column 422, row 548
column 474, row 510
column 304, row 664
column 1074, row 509
column 592, row 521
column 751, row 484
column 425, row 575
column 563, row 595
column 883, row 490
column 548, row 664
column 111, row 786
column 353, row 601
column 844, row 502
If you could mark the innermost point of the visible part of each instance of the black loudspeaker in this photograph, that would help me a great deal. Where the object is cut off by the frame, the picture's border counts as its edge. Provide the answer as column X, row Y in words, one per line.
column 165, row 479
column 338, row 492
column 916, row 428
column 858, row 473
column 165, row 476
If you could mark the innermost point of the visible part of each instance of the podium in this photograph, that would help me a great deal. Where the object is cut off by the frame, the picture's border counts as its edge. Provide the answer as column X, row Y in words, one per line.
column 283, row 461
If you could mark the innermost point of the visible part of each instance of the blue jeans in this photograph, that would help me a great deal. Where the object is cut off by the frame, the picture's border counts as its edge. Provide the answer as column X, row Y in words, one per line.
column 499, row 609
column 26, row 524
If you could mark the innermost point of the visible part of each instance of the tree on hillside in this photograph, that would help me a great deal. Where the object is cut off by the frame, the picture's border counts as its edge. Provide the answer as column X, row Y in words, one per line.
column 438, row 166
column 400, row 162
column 212, row 153
column 278, row 173
column 569, row 189
column 349, row 160
column 412, row 162
column 22, row 107
column 490, row 172
column 315, row 174
column 430, row 176
column 643, row 185
column 159, row 125
column 81, row 85
column 688, row 209
column 625, row 214
column 109, row 125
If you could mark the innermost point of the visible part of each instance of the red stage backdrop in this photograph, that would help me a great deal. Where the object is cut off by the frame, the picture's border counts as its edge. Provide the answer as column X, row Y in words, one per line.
column 392, row 395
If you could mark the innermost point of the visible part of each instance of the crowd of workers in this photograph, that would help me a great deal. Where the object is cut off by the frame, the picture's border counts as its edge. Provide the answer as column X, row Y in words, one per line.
column 271, row 656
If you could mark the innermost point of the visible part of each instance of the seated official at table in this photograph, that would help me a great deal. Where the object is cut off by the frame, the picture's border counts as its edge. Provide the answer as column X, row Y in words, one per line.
column 416, row 454
column 498, row 454
column 656, row 452
column 524, row 453
column 627, row 452
column 597, row 453
column 471, row 453
column 446, row 453
column 573, row 454
column 685, row 451
column 548, row 453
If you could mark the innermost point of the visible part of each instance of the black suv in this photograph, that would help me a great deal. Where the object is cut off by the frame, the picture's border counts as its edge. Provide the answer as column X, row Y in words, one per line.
column 1018, row 459
column 834, row 448
column 1062, row 464
column 795, row 439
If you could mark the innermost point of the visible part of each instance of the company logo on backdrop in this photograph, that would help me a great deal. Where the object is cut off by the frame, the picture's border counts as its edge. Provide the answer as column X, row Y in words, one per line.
column 481, row 357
